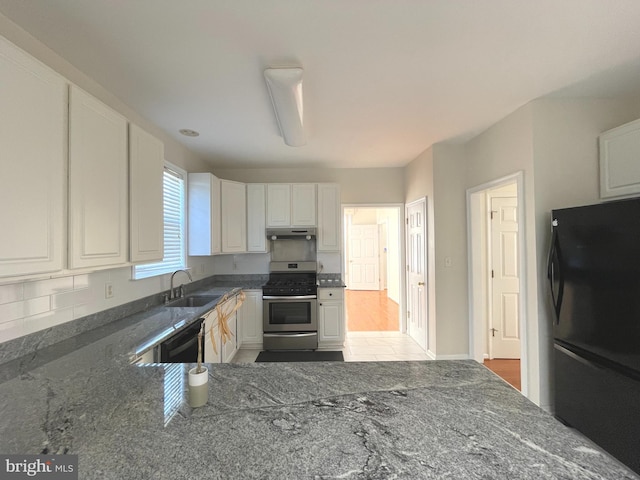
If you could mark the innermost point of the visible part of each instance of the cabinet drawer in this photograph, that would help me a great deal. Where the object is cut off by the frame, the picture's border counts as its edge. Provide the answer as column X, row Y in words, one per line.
column 330, row 293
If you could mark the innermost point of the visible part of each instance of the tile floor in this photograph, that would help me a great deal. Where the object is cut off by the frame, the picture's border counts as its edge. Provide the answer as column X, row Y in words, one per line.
column 364, row 347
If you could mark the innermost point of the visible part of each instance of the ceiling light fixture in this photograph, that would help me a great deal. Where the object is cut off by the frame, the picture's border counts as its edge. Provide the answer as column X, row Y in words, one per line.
column 189, row 133
column 285, row 88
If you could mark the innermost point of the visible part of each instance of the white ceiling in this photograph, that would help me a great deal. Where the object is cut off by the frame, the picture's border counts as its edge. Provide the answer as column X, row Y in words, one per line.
column 383, row 79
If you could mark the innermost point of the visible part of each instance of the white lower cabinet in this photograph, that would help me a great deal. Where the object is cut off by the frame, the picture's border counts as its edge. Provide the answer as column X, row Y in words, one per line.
column 223, row 352
column 212, row 336
column 250, row 320
column 330, row 317
column 230, row 347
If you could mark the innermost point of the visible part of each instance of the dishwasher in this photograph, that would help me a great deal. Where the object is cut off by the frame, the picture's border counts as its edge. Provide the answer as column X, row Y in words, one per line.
column 181, row 347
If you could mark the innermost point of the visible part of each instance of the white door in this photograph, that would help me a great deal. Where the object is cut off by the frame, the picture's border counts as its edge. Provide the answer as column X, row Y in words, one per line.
column 364, row 267
column 416, row 272
column 504, row 325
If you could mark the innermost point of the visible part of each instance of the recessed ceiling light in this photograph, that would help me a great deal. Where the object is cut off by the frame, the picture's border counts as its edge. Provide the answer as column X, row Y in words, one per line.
column 189, row 133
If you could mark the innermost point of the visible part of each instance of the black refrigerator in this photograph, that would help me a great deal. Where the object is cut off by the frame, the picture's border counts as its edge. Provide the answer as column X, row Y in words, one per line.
column 594, row 279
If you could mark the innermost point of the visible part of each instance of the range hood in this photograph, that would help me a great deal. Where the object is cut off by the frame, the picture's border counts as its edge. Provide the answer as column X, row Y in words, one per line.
column 291, row 233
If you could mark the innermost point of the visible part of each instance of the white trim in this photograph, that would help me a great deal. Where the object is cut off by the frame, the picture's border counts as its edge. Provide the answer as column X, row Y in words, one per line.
column 431, row 355
column 475, row 317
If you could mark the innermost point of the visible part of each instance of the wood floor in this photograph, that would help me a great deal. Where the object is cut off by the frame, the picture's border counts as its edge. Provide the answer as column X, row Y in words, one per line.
column 371, row 311
column 508, row 370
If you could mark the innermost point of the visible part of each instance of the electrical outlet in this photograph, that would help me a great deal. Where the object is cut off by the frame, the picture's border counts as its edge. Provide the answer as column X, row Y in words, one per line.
column 108, row 290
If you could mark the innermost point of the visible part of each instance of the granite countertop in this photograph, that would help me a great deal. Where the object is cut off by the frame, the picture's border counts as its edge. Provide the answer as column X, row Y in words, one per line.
column 325, row 420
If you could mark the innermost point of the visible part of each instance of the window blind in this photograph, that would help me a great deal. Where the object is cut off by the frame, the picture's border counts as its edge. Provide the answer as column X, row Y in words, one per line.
column 174, row 227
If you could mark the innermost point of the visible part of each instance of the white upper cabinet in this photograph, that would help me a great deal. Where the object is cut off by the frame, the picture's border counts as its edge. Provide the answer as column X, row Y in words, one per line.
column 328, row 239
column 234, row 216
column 303, row 205
column 620, row 161
column 291, row 205
column 278, row 205
column 146, row 166
column 256, row 217
column 98, row 197
column 204, row 214
column 33, row 140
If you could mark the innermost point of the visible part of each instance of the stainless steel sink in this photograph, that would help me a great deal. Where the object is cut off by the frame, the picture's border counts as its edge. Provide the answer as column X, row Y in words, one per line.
column 193, row 301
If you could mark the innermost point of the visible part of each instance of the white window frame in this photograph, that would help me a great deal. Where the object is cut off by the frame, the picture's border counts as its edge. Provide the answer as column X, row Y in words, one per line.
column 169, row 265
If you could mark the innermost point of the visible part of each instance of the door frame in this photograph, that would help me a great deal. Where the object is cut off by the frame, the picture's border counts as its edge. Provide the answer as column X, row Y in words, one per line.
column 401, row 243
column 477, row 278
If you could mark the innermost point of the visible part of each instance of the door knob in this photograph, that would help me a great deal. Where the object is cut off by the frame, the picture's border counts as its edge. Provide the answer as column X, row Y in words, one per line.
column 420, row 283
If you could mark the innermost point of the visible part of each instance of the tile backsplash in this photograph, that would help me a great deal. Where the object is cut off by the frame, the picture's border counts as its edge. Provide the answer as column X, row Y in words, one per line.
column 30, row 306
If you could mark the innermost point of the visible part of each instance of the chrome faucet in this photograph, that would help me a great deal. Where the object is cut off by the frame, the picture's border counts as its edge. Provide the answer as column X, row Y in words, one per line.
column 172, row 294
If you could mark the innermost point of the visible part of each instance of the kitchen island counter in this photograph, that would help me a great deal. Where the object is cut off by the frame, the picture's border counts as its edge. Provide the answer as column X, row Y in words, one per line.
column 433, row 419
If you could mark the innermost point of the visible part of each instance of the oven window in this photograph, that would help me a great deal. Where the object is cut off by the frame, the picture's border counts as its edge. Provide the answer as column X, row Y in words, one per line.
column 290, row 313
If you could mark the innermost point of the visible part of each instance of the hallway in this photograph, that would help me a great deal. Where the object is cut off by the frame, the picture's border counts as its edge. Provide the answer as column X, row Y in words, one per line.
column 371, row 311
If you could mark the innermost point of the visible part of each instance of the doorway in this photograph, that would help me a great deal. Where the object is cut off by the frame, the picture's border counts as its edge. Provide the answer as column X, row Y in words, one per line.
column 372, row 266
column 496, row 280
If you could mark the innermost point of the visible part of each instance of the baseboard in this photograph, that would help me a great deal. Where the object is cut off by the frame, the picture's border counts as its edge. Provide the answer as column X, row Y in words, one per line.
column 459, row 356
column 431, row 355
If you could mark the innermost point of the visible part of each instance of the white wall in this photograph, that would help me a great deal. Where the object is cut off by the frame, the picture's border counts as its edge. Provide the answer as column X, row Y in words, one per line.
column 502, row 150
column 554, row 142
column 418, row 177
column 452, row 313
column 566, row 174
column 35, row 304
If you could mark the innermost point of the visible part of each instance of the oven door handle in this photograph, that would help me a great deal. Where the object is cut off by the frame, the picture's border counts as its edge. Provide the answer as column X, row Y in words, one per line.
column 284, row 334
column 293, row 297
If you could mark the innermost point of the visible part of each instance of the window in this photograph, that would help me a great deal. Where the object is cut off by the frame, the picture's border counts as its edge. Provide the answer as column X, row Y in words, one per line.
column 174, row 226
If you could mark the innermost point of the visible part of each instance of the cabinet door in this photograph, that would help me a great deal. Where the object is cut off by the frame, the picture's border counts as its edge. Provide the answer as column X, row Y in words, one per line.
column 234, row 217
column 256, row 217
column 278, row 205
column 250, row 319
column 204, row 214
column 212, row 355
column 329, row 238
column 303, row 205
column 230, row 347
column 33, row 139
column 146, row 167
column 619, row 152
column 330, row 316
column 98, row 196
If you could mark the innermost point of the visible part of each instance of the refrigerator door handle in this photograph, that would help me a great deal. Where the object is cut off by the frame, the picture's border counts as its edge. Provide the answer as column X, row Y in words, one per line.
column 554, row 273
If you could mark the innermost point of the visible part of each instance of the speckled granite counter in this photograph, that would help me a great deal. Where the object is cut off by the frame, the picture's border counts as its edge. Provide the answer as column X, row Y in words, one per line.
column 405, row 420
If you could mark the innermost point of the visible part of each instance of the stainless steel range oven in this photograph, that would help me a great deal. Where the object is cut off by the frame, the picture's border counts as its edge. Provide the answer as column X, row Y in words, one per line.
column 290, row 307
